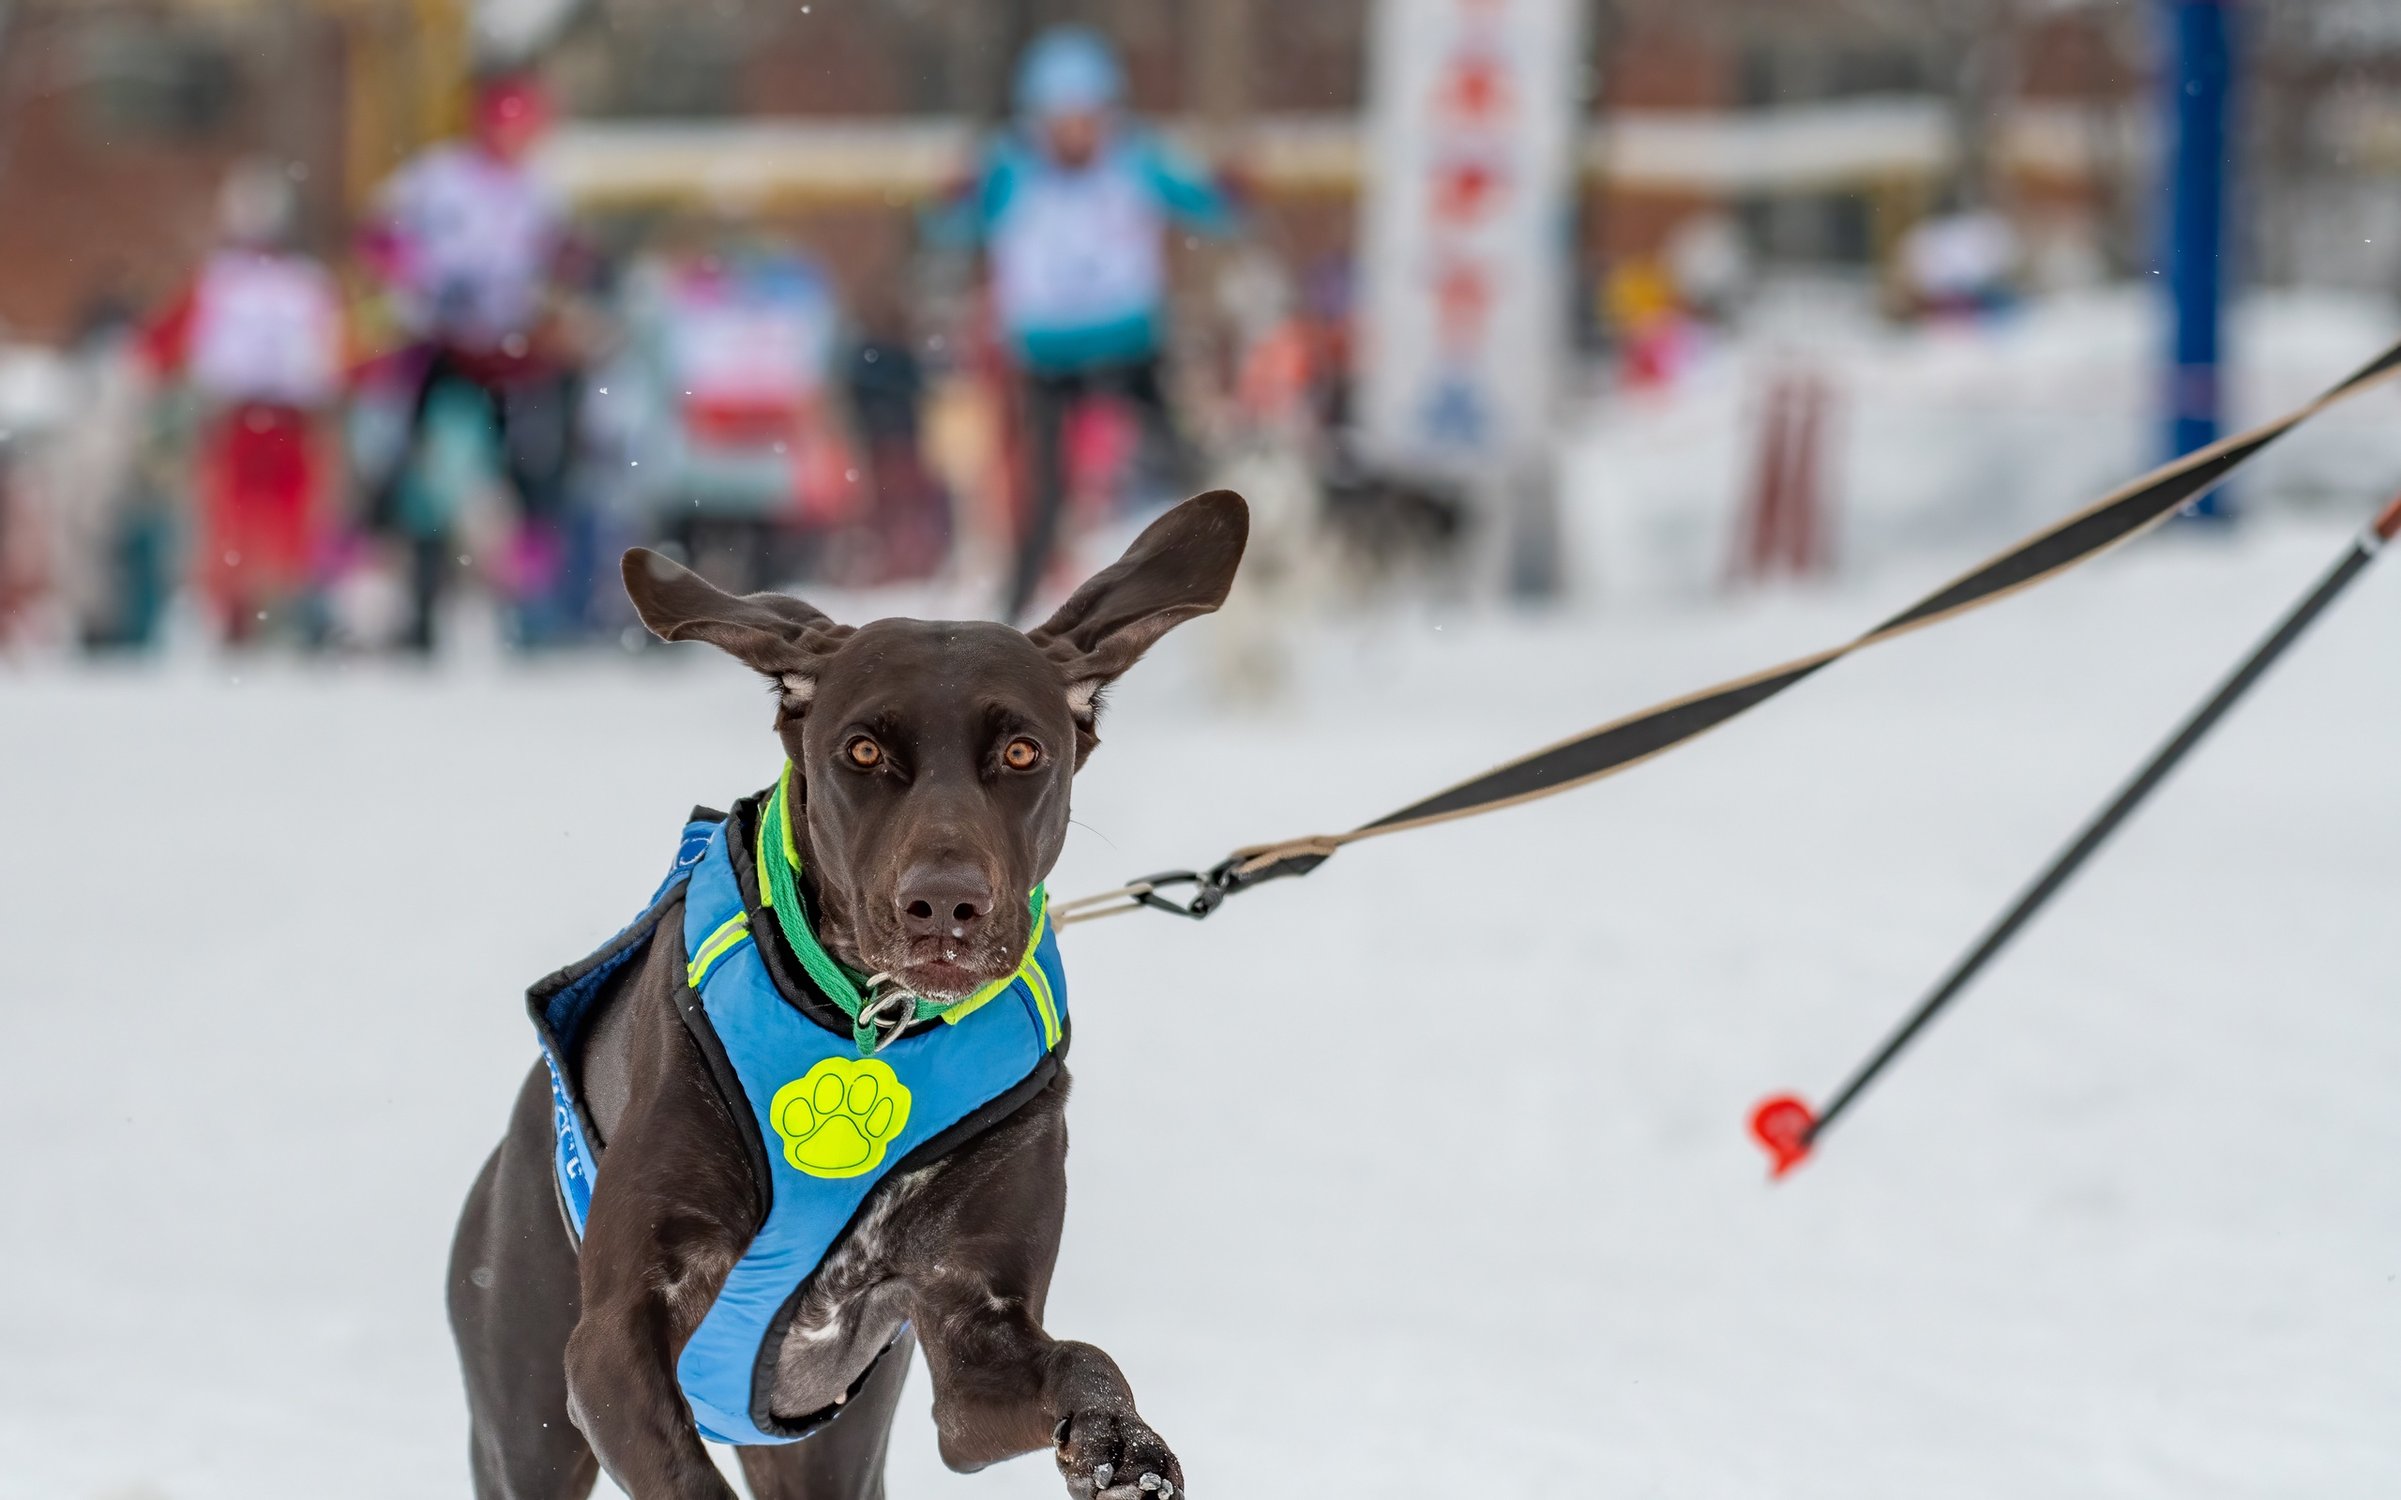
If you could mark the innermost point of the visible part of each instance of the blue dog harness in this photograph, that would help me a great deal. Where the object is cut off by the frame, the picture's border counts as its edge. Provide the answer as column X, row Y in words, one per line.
column 830, row 1115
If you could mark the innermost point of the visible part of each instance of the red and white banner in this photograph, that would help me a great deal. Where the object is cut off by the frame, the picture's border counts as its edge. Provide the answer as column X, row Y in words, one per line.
column 1465, row 230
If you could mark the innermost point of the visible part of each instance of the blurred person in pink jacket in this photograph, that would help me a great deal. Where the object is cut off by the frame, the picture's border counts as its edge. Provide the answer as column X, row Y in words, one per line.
column 258, row 338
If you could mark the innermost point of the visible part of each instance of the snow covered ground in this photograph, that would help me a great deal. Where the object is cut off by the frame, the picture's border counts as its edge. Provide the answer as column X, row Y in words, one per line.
column 1422, row 1177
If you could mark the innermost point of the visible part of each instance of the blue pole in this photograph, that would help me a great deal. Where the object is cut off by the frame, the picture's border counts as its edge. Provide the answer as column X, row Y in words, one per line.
column 2199, row 98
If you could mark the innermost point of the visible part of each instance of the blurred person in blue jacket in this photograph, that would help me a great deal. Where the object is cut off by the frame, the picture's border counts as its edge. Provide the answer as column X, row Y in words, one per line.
column 1073, row 207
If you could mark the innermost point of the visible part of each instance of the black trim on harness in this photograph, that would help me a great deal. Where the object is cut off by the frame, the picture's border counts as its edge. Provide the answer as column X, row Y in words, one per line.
column 801, row 1427
column 562, row 1030
column 728, row 1084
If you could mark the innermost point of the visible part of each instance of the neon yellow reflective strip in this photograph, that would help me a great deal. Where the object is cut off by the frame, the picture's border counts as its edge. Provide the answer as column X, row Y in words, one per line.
column 719, row 944
column 733, row 930
column 1036, row 980
column 784, row 811
column 758, row 866
column 1039, row 983
column 975, row 1002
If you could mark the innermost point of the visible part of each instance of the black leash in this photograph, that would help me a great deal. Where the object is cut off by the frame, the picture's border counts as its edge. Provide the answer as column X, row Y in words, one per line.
column 1786, row 1126
column 2115, row 518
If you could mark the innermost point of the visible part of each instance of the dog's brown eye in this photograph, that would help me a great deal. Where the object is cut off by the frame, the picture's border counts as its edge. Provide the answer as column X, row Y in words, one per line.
column 1021, row 754
column 864, row 753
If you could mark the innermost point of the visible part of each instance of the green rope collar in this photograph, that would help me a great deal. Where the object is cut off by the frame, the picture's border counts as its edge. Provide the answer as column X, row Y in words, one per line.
column 778, row 862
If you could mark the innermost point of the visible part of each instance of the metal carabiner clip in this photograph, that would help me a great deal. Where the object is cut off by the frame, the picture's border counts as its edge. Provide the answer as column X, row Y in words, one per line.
column 1205, row 900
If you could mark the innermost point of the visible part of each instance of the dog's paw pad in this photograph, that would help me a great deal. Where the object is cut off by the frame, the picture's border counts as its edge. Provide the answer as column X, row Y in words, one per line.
column 837, row 1119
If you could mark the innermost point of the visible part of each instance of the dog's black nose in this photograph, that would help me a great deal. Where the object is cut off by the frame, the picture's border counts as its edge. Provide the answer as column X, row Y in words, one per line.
column 943, row 900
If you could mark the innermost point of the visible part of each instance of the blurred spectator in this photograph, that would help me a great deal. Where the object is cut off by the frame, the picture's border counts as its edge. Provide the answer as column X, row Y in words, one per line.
column 1710, row 265
column 35, row 394
column 111, row 510
column 1654, row 338
column 734, row 345
column 257, row 337
column 474, row 251
column 1960, row 264
column 887, row 387
column 1074, row 206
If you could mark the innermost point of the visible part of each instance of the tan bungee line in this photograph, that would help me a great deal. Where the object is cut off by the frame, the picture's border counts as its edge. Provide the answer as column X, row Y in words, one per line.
column 2116, row 518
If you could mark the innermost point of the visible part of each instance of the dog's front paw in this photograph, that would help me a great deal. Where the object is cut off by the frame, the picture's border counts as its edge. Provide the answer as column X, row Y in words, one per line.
column 1105, row 1454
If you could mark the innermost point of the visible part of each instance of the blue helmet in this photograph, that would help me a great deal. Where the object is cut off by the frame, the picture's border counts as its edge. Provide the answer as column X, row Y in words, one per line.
column 1068, row 70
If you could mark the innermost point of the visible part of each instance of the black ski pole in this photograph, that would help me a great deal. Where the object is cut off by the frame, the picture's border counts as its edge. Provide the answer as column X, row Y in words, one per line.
column 1789, row 1129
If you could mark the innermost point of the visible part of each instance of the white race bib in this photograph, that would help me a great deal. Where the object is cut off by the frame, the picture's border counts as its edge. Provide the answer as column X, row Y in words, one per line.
column 1078, row 250
column 266, row 328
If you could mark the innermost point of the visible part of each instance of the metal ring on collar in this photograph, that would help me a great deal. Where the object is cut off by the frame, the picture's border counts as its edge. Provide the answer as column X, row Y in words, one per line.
column 873, row 1015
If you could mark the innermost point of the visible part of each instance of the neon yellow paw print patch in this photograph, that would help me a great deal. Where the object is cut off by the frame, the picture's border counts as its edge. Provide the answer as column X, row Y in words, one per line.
column 838, row 1117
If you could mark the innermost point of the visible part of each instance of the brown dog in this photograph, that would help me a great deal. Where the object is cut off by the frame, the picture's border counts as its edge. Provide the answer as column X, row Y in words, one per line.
column 933, row 763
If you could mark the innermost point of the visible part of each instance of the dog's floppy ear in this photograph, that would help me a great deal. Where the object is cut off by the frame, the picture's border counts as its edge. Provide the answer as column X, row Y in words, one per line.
column 1181, row 566
column 770, row 633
